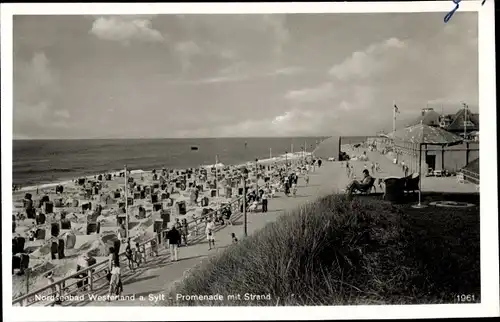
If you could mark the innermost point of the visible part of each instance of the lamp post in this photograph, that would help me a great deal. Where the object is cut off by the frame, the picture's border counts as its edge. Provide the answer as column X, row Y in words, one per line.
column 126, row 202
column 286, row 161
column 216, row 174
column 244, row 175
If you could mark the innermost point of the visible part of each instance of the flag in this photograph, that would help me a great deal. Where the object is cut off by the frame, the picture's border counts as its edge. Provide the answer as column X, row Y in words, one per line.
column 396, row 109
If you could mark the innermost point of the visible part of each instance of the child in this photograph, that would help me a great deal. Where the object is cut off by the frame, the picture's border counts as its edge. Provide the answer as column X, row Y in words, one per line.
column 294, row 189
column 138, row 254
column 154, row 248
column 234, row 239
column 55, row 289
column 253, row 206
column 195, row 223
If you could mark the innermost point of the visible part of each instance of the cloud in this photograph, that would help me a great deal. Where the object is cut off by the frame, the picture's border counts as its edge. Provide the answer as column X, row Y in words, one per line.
column 240, row 71
column 319, row 93
column 34, row 80
column 363, row 64
column 297, row 122
column 125, row 29
column 64, row 114
column 277, row 25
column 186, row 51
column 240, row 36
column 36, row 85
column 288, row 71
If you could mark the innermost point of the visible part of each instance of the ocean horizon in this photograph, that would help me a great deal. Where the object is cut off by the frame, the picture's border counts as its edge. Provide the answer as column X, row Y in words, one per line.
column 45, row 161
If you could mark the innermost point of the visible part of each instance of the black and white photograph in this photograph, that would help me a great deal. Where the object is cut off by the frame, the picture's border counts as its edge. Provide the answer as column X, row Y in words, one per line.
column 270, row 158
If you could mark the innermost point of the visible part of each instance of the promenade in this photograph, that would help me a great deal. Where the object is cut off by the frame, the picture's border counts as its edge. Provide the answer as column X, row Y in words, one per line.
column 152, row 280
column 158, row 274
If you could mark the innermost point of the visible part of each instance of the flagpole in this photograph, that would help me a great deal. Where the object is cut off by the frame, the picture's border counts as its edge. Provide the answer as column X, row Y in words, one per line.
column 270, row 153
column 393, row 116
column 126, row 203
column 216, row 172
column 292, row 148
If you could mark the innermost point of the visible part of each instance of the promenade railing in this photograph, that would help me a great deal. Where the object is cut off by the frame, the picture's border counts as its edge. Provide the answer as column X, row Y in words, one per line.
column 94, row 278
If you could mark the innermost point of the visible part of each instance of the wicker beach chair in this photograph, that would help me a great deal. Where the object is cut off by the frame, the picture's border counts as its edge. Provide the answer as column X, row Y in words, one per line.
column 367, row 189
column 411, row 183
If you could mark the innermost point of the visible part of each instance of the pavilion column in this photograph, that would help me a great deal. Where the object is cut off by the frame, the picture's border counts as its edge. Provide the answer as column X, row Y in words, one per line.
column 442, row 158
column 467, row 154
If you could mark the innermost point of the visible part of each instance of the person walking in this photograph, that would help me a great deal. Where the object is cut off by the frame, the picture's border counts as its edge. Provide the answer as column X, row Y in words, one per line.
column 138, row 253
column 173, row 239
column 195, row 224
column 185, row 231
column 287, row 187
column 264, row 201
column 114, row 273
column 209, row 230
column 129, row 255
column 178, row 226
column 114, row 282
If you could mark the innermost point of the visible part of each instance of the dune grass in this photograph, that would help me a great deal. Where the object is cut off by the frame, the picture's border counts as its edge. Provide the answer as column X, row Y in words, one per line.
column 336, row 252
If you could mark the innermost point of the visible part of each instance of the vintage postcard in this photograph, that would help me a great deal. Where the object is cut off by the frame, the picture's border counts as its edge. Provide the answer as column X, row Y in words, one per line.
column 221, row 159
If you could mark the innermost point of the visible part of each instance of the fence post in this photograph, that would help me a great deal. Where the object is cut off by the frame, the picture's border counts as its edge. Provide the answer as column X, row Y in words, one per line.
column 91, row 282
column 27, row 271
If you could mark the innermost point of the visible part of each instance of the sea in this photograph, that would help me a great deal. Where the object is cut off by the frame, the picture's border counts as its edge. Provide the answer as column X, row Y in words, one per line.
column 38, row 162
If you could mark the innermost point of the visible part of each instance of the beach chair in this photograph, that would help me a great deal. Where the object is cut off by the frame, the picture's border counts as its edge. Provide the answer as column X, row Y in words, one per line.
column 367, row 189
column 411, row 183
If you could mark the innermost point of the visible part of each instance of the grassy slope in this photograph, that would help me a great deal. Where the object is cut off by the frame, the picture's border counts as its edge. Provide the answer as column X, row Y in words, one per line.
column 336, row 252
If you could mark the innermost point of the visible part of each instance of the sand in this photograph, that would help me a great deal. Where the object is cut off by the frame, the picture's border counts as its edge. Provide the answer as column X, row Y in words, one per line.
column 95, row 244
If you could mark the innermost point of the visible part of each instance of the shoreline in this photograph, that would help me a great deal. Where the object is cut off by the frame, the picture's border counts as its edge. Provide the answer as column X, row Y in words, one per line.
column 95, row 241
column 70, row 179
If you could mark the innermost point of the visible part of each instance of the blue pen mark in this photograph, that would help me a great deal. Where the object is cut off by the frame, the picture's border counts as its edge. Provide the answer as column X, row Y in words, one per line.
column 452, row 12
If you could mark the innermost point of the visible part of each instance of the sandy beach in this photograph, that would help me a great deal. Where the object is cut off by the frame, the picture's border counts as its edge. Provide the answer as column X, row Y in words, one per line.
column 87, row 211
column 331, row 178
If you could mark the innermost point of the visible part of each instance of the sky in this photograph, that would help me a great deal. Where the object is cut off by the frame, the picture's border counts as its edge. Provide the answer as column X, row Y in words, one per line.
column 180, row 76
